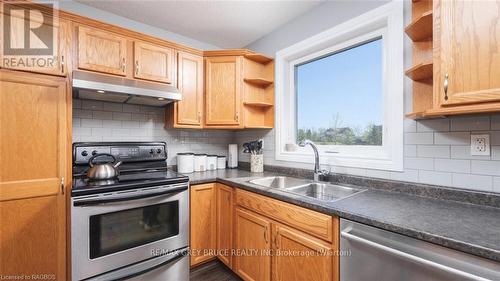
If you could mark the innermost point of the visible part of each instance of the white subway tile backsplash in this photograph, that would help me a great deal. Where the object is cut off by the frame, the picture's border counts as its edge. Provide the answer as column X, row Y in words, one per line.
column 475, row 182
column 463, row 152
column 106, row 121
column 452, row 165
column 91, row 104
column 432, row 177
column 470, row 123
column 419, row 163
column 452, row 138
column 418, row 138
column 482, row 167
column 433, row 151
column 103, row 115
column 91, row 123
column 124, row 116
column 433, row 125
column 406, row 175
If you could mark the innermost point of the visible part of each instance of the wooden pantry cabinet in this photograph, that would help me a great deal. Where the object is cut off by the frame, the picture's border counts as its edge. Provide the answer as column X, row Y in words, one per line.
column 34, row 113
column 456, row 65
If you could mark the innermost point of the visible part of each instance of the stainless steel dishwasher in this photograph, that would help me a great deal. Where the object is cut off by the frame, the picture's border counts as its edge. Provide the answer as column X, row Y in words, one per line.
column 370, row 253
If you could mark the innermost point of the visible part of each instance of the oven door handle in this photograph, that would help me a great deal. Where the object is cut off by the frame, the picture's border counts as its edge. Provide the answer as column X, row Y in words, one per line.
column 116, row 198
column 142, row 267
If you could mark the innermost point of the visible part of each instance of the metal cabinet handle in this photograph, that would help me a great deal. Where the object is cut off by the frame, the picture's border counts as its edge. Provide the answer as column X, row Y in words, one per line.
column 237, row 117
column 123, row 64
column 62, row 64
column 445, row 86
column 136, row 67
column 62, row 185
column 411, row 257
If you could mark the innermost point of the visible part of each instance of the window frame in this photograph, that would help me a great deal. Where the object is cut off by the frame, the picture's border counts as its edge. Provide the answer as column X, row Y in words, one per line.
column 385, row 22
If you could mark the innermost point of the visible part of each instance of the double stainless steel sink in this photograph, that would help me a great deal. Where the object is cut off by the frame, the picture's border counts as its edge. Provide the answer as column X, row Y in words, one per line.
column 312, row 189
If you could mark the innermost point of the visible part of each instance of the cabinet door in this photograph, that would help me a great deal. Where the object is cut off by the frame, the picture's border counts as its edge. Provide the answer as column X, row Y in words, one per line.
column 224, row 223
column 252, row 245
column 188, row 111
column 101, row 51
column 469, row 52
column 223, row 90
column 152, row 62
column 202, row 223
column 303, row 257
column 53, row 63
column 33, row 120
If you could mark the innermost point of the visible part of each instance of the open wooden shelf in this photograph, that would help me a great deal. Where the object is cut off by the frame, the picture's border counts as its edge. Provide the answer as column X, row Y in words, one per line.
column 260, row 82
column 420, row 71
column 259, row 58
column 259, row 104
column 421, row 28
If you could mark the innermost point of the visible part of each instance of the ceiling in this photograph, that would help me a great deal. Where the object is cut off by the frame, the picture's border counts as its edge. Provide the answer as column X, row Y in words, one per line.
column 226, row 24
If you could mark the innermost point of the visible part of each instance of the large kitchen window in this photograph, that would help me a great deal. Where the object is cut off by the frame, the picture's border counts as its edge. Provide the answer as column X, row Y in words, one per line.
column 343, row 90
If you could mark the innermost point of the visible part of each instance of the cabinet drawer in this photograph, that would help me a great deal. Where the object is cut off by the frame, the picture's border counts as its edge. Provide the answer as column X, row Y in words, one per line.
column 314, row 223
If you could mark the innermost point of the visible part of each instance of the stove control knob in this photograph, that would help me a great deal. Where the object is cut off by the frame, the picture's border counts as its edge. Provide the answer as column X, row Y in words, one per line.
column 151, row 151
column 85, row 153
column 158, row 150
column 94, row 152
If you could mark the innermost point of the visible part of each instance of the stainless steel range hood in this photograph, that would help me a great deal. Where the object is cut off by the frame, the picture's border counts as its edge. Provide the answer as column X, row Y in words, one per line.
column 93, row 86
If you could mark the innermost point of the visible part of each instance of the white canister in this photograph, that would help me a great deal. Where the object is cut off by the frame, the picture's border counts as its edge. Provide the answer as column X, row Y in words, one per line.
column 200, row 162
column 221, row 162
column 185, row 162
column 211, row 162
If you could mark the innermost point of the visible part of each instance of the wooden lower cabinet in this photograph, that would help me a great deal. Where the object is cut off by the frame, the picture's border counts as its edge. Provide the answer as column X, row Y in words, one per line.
column 252, row 246
column 202, row 223
column 224, row 223
column 263, row 247
column 298, row 256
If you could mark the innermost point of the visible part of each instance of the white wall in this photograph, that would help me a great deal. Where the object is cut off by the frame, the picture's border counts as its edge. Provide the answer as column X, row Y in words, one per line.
column 436, row 151
column 91, row 12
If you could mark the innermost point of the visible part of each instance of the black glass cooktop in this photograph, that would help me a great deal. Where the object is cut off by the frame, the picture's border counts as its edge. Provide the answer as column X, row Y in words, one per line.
column 84, row 186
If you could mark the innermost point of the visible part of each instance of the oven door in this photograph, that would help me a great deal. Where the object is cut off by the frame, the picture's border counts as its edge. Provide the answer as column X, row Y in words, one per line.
column 114, row 230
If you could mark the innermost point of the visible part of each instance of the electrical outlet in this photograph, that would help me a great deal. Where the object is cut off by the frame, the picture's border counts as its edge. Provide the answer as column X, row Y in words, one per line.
column 480, row 144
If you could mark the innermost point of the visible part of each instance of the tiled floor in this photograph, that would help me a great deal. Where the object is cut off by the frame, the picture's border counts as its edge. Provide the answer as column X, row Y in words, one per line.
column 213, row 271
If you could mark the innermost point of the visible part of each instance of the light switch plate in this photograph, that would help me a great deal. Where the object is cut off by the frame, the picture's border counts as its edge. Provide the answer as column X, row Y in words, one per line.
column 480, row 144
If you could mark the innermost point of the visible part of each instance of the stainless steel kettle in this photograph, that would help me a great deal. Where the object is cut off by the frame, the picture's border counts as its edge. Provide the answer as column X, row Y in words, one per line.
column 103, row 171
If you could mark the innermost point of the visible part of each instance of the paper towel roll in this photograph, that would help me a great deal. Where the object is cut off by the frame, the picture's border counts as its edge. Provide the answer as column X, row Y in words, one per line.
column 232, row 160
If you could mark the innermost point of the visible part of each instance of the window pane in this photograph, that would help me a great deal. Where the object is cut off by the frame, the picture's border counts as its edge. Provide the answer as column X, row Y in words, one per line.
column 339, row 97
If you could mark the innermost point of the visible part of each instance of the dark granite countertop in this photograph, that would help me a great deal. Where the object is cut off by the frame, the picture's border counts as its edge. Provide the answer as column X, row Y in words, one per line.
column 466, row 227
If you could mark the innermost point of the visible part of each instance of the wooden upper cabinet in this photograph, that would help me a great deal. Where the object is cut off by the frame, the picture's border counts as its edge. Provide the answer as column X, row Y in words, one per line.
column 224, row 223
column 33, row 114
column 202, row 223
column 223, row 91
column 189, row 110
column 101, row 51
column 51, row 58
column 469, row 55
column 317, row 266
column 253, row 241
column 152, row 62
